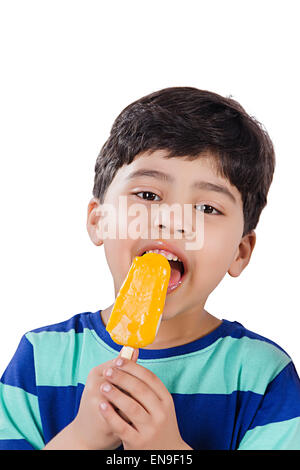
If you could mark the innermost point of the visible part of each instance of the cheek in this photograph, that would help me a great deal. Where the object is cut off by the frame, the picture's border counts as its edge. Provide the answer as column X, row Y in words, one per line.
column 132, row 221
column 117, row 253
column 216, row 255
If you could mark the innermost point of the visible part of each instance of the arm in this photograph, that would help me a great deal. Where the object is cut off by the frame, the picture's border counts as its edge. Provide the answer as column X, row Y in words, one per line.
column 67, row 439
column 20, row 419
column 89, row 430
column 276, row 425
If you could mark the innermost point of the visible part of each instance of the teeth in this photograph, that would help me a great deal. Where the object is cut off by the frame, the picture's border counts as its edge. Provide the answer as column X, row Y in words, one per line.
column 168, row 255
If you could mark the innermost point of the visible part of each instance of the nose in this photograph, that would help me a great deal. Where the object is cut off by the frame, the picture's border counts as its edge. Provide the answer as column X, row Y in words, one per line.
column 168, row 219
column 169, row 222
column 163, row 227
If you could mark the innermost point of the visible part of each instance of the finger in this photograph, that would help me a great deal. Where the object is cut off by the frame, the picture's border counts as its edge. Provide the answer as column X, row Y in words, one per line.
column 135, row 355
column 118, row 426
column 134, row 413
column 130, row 407
column 95, row 376
column 120, row 413
column 98, row 370
column 145, row 375
column 134, row 387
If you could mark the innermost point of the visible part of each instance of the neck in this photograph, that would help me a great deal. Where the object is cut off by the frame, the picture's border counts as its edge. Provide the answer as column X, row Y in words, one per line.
column 181, row 329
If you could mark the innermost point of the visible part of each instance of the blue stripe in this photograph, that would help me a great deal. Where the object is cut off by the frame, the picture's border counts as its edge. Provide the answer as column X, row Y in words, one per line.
column 220, row 422
column 21, row 361
column 58, row 407
column 281, row 401
column 216, row 425
column 15, row 444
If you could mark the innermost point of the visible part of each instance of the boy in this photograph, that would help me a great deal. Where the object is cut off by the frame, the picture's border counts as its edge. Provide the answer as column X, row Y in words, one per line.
column 204, row 383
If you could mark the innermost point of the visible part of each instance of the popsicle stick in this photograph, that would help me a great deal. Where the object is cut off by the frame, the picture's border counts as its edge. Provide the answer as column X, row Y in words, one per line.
column 127, row 352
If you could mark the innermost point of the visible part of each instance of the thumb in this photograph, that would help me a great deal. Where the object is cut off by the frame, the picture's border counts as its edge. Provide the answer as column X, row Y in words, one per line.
column 135, row 355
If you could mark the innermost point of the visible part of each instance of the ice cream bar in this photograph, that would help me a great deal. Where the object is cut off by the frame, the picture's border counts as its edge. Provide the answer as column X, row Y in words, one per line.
column 137, row 311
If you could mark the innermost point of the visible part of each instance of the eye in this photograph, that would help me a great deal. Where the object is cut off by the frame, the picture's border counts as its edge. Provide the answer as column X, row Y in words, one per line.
column 210, row 209
column 149, row 195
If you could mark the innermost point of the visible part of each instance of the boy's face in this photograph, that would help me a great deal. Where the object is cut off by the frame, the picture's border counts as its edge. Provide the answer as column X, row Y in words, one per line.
column 223, row 250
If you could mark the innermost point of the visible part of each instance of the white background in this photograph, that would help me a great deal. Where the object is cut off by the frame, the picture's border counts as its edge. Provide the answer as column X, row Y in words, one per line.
column 67, row 70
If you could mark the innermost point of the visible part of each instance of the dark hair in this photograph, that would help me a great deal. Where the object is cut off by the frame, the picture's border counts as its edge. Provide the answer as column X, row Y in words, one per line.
column 186, row 121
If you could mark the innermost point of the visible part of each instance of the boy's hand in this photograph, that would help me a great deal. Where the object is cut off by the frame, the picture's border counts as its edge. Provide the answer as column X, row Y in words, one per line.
column 89, row 428
column 148, row 405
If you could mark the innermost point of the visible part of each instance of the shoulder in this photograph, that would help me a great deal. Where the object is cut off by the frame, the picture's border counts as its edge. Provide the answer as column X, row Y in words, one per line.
column 57, row 336
column 258, row 358
column 76, row 322
column 58, row 350
column 253, row 340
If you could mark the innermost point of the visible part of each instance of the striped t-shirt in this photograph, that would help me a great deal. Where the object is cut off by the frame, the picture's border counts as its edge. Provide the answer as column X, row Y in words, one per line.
column 232, row 389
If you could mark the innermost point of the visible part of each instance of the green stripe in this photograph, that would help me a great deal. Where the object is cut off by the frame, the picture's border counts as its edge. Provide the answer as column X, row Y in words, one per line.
column 19, row 416
column 217, row 369
column 65, row 358
column 283, row 435
column 56, row 356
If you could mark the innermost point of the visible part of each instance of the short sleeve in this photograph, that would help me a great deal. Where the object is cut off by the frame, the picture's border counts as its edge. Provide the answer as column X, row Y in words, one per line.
column 20, row 421
column 276, row 424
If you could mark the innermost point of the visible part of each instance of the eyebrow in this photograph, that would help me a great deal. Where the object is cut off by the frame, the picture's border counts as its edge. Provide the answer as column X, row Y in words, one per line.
column 217, row 188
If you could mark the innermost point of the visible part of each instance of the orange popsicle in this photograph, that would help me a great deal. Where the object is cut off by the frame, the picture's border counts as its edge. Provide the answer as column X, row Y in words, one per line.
column 137, row 311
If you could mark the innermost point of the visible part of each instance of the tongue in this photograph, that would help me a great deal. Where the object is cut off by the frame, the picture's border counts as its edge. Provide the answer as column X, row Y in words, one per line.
column 175, row 273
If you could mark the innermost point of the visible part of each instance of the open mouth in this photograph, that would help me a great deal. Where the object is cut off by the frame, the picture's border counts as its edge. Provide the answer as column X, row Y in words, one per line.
column 178, row 271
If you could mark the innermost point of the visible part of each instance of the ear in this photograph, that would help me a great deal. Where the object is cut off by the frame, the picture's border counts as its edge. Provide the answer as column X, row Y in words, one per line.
column 93, row 223
column 243, row 254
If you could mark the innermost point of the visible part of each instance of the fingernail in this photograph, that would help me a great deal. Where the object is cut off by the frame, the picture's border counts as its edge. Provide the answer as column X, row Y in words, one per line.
column 109, row 372
column 119, row 362
column 103, row 405
column 106, row 388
